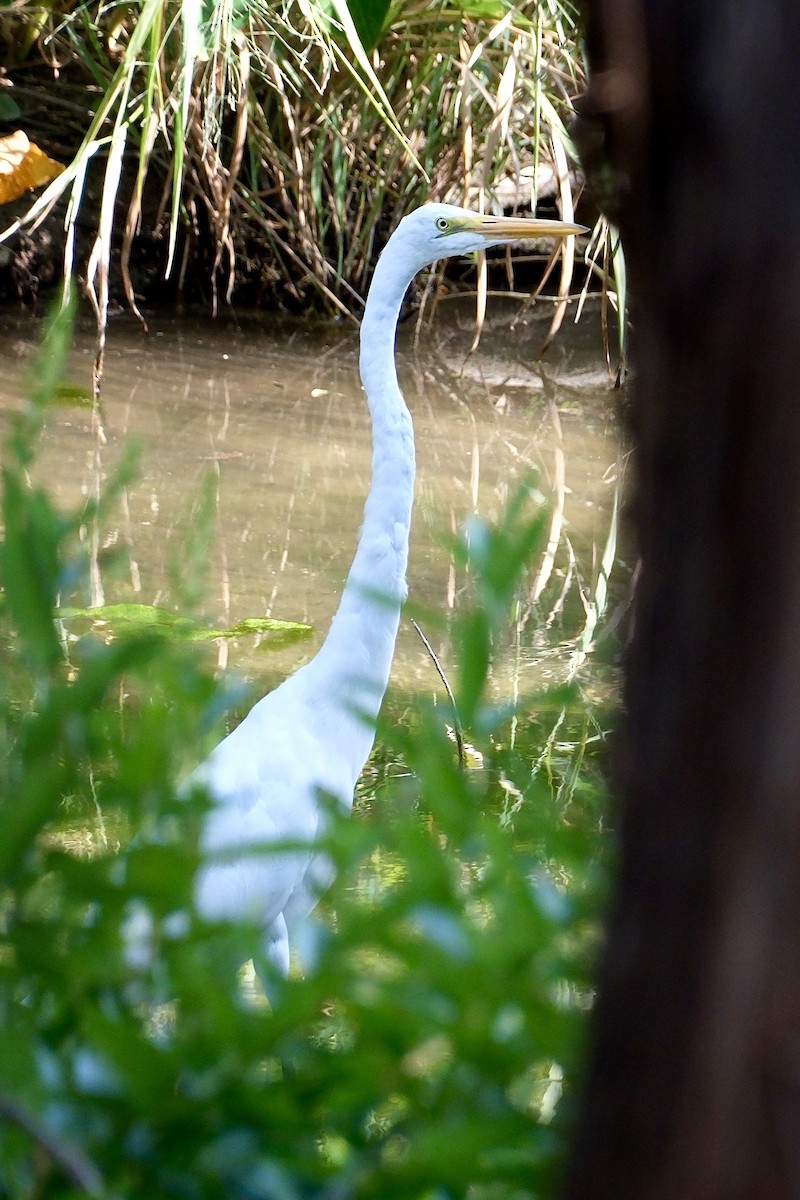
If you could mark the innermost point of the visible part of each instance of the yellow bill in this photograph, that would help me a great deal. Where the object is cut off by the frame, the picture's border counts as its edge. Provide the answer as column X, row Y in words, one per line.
column 513, row 228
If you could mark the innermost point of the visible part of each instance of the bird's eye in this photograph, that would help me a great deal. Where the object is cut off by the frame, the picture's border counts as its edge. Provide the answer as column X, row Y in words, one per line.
column 442, row 223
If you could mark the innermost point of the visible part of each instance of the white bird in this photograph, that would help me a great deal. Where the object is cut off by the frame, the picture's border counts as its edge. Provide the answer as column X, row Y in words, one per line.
column 311, row 736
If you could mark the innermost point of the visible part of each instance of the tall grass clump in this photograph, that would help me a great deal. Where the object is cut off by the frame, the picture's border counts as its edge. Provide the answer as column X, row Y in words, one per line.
column 431, row 1046
column 262, row 149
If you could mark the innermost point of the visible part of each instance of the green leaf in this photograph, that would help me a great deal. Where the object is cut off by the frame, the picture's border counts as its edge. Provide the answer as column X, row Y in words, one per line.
column 478, row 10
column 475, row 657
column 369, row 17
column 29, row 567
column 9, row 109
column 46, row 376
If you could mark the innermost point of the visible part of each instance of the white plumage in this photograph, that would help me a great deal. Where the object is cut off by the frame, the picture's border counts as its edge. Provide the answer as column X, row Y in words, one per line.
column 312, row 735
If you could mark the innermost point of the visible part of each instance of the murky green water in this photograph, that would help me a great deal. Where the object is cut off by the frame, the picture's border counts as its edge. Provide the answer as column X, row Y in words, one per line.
column 275, row 413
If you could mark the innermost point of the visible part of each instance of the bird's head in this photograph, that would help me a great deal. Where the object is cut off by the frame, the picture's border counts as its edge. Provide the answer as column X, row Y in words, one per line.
column 443, row 231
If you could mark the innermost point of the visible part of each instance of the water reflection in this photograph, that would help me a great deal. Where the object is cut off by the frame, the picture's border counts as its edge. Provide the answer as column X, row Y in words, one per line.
column 274, row 411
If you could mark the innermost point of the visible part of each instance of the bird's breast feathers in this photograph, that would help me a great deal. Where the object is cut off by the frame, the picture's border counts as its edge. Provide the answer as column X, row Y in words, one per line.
column 273, row 764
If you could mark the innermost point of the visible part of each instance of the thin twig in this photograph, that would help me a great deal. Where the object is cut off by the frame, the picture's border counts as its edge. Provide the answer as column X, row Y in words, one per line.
column 462, row 759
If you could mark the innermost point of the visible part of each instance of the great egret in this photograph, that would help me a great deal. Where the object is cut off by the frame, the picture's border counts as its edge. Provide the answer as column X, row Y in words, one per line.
column 311, row 736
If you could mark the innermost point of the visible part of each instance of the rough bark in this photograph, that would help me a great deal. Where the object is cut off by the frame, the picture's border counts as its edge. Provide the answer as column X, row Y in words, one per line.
column 693, row 1089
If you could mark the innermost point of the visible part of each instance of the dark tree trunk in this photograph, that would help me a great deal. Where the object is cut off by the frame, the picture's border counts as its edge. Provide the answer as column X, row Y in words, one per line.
column 693, row 1089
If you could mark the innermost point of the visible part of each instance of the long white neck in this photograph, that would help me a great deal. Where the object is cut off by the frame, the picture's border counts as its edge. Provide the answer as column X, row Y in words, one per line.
column 355, row 659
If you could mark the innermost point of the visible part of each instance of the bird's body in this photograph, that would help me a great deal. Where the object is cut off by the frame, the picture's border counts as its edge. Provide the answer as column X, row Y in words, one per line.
column 312, row 735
